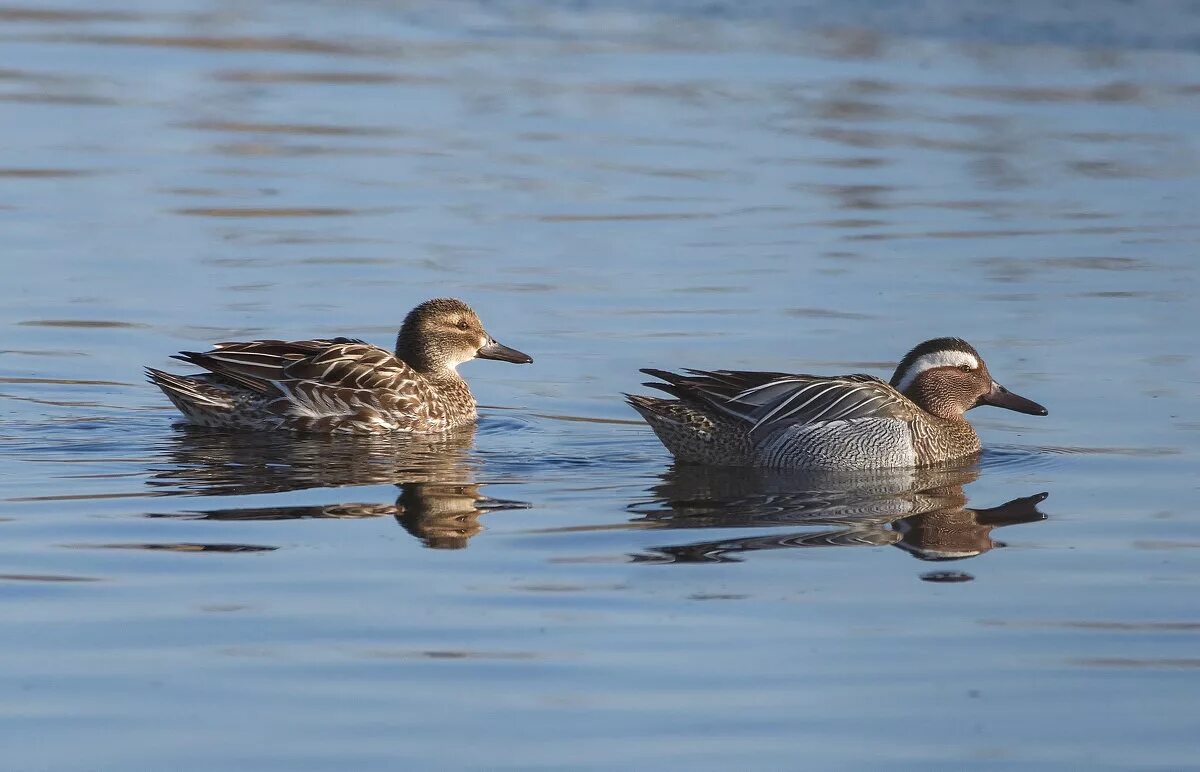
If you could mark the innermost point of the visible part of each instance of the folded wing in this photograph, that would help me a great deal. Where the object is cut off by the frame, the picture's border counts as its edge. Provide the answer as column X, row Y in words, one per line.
column 312, row 378
column 769, row 401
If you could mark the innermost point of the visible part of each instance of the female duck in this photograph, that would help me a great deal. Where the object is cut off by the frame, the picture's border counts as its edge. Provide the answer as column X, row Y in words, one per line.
column 849, row 422
column 342, row 384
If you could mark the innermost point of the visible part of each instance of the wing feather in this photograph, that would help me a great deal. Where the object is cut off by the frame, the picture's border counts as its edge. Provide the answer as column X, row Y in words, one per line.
column 770, row 400
column 318, row 378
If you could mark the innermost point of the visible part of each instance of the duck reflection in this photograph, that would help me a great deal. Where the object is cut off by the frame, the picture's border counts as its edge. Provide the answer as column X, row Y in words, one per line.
column 923, row 511
column 446, row 515
column 439, row 502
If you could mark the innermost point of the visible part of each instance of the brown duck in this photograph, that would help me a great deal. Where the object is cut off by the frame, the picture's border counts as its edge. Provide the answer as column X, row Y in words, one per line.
column 342, row 384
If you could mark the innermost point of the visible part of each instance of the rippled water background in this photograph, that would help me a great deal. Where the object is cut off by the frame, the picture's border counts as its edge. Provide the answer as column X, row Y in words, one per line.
column 812, row 186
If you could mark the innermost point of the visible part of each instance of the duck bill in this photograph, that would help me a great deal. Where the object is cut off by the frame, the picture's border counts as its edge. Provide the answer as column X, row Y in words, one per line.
column 1002, row 397
column 494, row 350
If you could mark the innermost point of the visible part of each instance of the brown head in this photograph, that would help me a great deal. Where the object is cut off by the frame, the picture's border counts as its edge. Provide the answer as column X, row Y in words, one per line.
column 441, row 334
column 946, row 377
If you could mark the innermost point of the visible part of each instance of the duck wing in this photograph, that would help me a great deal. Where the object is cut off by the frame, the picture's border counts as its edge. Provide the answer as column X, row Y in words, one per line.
column 722, row 384
column 335, row 376
column 256, row 364
column 768, row 400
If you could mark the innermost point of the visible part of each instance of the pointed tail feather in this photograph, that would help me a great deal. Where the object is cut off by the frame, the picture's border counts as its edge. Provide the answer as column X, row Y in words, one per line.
column 701, row 387
column 242, row 368
column 188, row 392
column 653, row 409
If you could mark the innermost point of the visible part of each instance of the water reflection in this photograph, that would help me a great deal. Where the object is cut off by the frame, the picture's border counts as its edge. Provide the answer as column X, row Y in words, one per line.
column 440, row 501
column 923, row 511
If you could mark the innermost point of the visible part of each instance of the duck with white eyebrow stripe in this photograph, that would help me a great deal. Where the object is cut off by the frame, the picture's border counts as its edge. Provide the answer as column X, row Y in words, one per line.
column 946, row 358
column 941, row 375
column 849, row 422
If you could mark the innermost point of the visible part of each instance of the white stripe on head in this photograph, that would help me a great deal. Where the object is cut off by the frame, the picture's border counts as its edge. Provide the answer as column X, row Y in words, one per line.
column 947, row 358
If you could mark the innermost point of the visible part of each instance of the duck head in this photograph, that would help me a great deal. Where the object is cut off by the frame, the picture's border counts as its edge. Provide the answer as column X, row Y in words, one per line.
column 442, row 333
column 946, row 377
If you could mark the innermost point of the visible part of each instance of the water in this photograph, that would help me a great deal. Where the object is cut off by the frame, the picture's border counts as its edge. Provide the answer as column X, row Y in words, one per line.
column 805, row 186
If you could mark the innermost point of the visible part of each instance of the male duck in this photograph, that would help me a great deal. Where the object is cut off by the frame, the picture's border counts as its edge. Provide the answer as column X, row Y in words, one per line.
column 849, row 422
column 342, row 384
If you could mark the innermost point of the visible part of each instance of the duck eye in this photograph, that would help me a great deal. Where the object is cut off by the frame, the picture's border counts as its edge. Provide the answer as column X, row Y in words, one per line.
column 462, row 324
column 965, row 368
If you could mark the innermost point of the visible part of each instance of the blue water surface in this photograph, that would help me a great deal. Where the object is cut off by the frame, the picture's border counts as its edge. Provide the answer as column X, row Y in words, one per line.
column 807, row 186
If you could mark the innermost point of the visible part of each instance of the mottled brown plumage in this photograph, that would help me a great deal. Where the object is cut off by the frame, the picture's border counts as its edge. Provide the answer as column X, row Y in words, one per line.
column 342, row 384
column 849, row 422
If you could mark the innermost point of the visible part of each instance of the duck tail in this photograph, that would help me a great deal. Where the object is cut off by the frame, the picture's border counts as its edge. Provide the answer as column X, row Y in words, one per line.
column 189, row 393
column 654, row 409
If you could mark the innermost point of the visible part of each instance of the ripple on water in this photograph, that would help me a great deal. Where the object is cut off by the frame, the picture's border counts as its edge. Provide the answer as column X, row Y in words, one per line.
column 178, row 547
column 1132, row 452
column 1000, row 457
column 46, row 578
column 82, row 323
column 947, row 577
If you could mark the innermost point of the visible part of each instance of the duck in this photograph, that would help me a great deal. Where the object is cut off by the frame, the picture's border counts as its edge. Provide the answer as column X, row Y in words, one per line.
column 342, row 385
column 829, row 423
